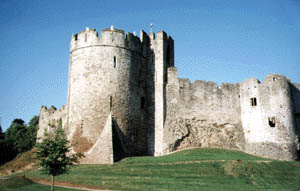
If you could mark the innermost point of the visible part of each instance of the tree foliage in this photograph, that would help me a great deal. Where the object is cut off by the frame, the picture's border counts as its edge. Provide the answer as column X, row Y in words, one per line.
column 18, row 138
column 32, row 130
column 53, row 151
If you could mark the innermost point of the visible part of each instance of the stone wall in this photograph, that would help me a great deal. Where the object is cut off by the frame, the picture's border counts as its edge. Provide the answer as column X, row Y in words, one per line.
column 201, row 114
column 255, row 117
column 295, row 91
column 50, row 118
column 102, row 150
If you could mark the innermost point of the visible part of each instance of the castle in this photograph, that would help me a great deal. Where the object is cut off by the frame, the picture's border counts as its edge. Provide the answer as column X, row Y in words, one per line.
column 125, row 99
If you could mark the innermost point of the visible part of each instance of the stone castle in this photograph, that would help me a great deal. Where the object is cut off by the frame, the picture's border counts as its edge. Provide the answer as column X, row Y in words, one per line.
column 125, row 99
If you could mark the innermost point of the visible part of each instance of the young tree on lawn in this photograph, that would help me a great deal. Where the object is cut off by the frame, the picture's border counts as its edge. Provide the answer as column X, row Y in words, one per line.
column 53, row 153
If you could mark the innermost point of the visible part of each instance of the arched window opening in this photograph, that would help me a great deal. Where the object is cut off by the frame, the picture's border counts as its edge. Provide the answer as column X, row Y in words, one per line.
column 272, row 121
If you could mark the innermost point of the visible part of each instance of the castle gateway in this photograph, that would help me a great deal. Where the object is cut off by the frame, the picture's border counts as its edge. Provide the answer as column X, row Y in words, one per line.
column 125, row 99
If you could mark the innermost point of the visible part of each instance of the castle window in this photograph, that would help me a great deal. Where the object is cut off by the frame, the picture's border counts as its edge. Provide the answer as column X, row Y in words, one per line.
column 115, row 62
column 271, row 121
column 142, row 102
column 253, row 101
column 76, row 36
column 274, row 79
column 85, row 37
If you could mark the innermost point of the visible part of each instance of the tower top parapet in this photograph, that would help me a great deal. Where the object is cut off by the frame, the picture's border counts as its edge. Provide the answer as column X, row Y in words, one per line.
column 113, row 37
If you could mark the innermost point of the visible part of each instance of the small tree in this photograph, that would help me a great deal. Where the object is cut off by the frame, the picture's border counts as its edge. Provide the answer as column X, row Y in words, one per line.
column 53, row 153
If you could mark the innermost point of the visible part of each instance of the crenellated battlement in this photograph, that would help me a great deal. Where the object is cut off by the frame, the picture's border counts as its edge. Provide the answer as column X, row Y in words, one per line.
column 271, row 79
column 109, row 37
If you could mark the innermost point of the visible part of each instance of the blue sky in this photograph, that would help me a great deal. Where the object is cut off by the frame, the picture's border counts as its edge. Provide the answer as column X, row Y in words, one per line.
column 215, row 40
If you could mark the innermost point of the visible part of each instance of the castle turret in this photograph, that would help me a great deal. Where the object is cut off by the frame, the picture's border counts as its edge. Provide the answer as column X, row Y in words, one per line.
column 267, row 120
column 162, row 57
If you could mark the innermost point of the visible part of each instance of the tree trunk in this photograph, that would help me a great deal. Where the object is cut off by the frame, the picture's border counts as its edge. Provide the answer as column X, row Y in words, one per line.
column 52, row 183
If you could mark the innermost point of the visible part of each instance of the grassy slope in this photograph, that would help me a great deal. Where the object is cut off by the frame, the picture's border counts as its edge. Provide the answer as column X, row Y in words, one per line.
column 24, row 161
column 197, row 169
column 14, row 183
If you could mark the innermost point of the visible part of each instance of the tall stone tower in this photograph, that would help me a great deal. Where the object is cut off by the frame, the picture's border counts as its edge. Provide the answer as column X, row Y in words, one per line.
column 122, row 78
column 162, row 57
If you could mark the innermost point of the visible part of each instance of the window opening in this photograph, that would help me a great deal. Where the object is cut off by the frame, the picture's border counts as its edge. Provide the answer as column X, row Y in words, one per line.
column 115, row 62
column 76, row 36
column 110, row 102
column 271, row 121
column 253, row 101
column 85, row 37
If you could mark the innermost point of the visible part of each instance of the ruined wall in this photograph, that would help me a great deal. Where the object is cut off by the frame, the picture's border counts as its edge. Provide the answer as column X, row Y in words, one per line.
column 268, row 123
column 49, row 118
column 201, row 114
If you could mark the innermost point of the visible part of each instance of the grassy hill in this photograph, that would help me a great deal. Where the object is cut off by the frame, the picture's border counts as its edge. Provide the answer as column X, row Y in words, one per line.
column 197, row 169
column 22, row 162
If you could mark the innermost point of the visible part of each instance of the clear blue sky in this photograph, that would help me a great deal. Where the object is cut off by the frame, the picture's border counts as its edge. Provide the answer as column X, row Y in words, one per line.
column 215, row 40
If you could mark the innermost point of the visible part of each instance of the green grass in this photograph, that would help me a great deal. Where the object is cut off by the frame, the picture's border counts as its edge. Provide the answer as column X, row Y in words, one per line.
column 13, row 183
column 197, row 169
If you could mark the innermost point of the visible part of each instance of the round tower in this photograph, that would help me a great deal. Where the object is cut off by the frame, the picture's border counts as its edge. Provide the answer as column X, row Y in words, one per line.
column 277, row 117
column 103, row 79
column 267, row 118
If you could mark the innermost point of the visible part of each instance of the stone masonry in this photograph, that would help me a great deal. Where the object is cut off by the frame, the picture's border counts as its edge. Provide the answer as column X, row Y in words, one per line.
column 125, row 99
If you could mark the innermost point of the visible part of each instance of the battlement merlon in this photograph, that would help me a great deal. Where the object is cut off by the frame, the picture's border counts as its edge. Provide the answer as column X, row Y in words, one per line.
column 161, row 43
